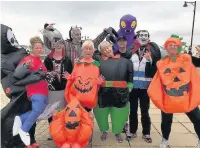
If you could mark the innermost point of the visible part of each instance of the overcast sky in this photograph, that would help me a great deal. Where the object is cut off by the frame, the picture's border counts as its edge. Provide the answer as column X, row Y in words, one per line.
column 161, row 19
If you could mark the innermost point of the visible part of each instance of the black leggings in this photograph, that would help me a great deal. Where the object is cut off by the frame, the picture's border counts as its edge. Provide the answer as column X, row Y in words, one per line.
column 167, row 120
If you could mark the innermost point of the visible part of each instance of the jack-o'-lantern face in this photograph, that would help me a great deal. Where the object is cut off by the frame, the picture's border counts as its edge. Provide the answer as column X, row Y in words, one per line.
column 175, row 81
column 72, row 115
column 83, row 86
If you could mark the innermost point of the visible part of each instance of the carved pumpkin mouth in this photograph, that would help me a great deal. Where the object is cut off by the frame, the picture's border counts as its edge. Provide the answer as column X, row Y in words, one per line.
column 83, row 90
column 83, row 86
column 177, row 92
column 70, row 125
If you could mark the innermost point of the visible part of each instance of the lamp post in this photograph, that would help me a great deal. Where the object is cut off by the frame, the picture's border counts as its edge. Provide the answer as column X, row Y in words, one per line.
column 185, row 5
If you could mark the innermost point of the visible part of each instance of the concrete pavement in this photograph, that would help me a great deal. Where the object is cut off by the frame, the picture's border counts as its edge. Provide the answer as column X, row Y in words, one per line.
column 182, row 135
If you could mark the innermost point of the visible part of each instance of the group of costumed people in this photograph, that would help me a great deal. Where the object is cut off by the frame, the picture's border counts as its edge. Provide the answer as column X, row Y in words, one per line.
column 107, row 77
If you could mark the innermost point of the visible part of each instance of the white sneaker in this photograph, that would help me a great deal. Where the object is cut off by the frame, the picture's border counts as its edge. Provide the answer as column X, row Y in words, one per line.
column 198, row 145
column 164, row 144
column 25, row 137
column 16, row 125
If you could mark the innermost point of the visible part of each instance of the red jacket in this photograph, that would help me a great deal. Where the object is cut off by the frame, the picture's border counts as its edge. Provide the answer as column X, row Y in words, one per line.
column 40, row 87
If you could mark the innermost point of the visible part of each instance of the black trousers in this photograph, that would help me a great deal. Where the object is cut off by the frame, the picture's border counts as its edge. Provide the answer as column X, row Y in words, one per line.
column 167, row 120
column 142, row 96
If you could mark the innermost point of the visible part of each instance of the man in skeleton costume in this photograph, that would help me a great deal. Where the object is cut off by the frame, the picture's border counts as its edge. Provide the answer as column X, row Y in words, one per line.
column 144, row 52
column 11, row 55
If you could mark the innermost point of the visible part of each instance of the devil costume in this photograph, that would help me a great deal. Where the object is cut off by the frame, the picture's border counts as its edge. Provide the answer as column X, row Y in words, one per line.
column 11, row 55
column 128, row 24
column 113, row 96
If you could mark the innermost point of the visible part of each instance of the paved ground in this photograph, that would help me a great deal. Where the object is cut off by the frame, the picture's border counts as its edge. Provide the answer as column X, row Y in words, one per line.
column 182, row 135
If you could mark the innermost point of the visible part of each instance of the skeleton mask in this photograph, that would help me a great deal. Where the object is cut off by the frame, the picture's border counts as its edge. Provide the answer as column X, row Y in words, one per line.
column 76, row 35
column 143, row 37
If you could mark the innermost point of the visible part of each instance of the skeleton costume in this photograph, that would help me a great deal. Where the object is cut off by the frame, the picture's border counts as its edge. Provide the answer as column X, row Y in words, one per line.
column 141, row 82
column 11, row 55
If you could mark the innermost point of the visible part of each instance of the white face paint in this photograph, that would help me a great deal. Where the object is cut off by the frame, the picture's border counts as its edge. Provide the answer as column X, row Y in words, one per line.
column 143, row 37
column 11, row 38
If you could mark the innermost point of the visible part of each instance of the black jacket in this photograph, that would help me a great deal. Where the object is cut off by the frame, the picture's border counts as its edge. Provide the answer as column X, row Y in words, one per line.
column 112, row 69
column 196, row 61
column 66, row 66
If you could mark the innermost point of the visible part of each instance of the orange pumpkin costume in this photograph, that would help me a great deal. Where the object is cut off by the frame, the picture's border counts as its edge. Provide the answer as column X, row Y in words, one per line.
column 72, row 127
column 175, row 87
column 83, row 83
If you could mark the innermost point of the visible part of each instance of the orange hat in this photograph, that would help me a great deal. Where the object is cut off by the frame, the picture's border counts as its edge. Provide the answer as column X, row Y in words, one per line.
column 176, row 41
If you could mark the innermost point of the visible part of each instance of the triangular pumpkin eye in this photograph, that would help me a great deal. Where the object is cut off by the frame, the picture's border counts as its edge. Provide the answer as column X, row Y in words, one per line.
column 181, row 70
column 72, row 114
column 67, row 108
column 168, row 70
column 176, row 79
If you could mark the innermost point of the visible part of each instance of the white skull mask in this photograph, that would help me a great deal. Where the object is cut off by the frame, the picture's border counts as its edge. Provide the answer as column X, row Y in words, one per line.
column 143, row 37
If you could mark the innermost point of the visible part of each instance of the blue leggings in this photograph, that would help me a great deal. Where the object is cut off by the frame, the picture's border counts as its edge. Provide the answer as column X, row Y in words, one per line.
column 39, row 103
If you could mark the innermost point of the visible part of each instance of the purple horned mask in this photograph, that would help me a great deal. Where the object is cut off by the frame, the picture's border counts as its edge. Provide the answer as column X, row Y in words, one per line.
column 128, row 24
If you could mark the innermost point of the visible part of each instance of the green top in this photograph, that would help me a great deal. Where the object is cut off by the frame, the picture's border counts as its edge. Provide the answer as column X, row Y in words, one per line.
column 96, row 63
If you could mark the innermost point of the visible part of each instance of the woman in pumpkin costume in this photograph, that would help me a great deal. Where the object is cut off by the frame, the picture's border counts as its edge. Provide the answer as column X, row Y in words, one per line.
column 114, row 93
column 85, row 79
column 83, row 83
column 177, row 88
